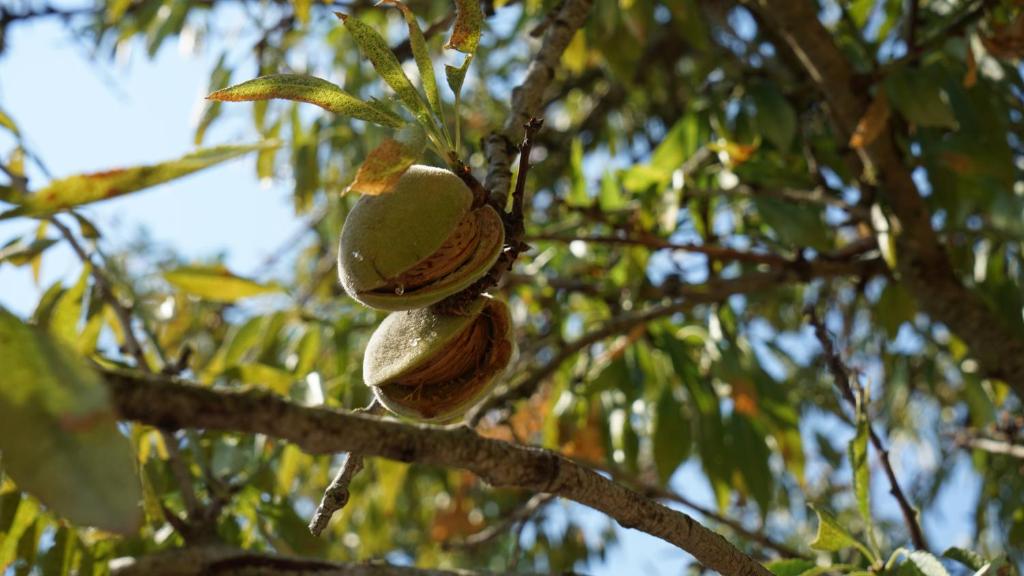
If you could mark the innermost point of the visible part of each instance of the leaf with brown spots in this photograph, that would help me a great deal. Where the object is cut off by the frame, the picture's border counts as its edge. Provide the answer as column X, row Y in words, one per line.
column 468, row 21
column 874, row 121
column 386, row 163
column 82, row 189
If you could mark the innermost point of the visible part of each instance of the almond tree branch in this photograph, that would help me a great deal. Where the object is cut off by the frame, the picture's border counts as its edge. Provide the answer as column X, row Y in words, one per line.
column 171, row 403
column 336, row 495
column 990, row 445
column 842, row 380
column 528, row 98
column 689, row 296
column 211, row 561
column 923, row 261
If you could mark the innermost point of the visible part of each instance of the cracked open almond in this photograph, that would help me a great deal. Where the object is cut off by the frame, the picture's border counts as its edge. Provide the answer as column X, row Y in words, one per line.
column 429, row 366
column 419, row 243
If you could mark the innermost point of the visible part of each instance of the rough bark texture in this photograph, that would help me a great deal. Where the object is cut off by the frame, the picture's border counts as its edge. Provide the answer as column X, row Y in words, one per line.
column 528, row 98
column 211, row 561
column 923, row 262
column 172, row 404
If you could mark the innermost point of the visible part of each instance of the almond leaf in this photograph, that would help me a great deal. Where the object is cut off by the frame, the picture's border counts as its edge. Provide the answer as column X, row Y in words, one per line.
column 310, row 89
column 386, row 163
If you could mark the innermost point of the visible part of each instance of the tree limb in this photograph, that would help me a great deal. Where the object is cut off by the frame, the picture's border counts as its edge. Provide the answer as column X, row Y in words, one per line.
column 923, row 261
column 171, row 403
column 689, row 296
column 528, row 98
column 211, row 561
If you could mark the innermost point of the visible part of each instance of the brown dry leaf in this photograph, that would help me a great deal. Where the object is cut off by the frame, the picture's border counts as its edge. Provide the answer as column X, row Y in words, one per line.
column 386, row 163
column 1007, row 40
column 587, row 443
column 744, row 397
column 971, row 76
column 874, row 121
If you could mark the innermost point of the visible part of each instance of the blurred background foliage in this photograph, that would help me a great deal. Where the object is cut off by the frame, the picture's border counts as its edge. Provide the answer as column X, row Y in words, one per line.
column 673, row 126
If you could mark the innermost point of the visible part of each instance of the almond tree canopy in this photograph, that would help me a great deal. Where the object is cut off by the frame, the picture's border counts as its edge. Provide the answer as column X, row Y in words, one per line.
column 762, row 260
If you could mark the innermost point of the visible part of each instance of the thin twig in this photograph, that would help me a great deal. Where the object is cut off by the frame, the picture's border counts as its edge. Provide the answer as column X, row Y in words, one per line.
column 124, row 316
column 655, row 491
column 500, row 528
column 655, row 243
column 337, row 495
column 990, row 445
column 514, row 223
column 842, row 380
column 688, row 297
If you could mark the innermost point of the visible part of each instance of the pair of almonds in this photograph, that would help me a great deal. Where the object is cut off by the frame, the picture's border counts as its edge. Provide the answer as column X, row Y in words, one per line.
column 406, row 250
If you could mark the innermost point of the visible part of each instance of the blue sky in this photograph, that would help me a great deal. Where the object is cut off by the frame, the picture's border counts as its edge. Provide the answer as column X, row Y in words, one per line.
column 84, row 114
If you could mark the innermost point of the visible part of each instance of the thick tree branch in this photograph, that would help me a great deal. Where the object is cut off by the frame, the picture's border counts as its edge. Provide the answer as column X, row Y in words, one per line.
column 528, row 98
column 211, row 561
column 923, row 262
column 173, row 404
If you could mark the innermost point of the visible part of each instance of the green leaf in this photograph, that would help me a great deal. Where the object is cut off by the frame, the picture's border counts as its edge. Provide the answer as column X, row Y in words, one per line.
column 789, row 566
column 795, row 225
column 421, row 54
column 858, row 453
column 578, row 191
column 456, row 76
column 59, row 435
column 968, row 558
column 67, row 312
column 832, row 537
column 6, row 122
column 374, row 47
column 88, row 188
column 927, row 564
column 219, row 78
column 216, row 283
column 312, row 90
column 20, row 253
column 24, row 518
column 775, row 117
column 672, row 435
column 919, row 96
column 468, row 21
column 895, row 306
column 681, row 142
column 386, row 163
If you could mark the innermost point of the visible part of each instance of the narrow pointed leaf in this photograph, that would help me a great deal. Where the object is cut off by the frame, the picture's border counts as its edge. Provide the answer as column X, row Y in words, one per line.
column 58, row 432
column 88, row 188
column 387, row 162
column 468, row 21
column 216, row 283
column 387, row 65
column 858, row 453
column 6, row 122
column 421, row 54
column 927, row 564
column 309, row 89
column 21, row 253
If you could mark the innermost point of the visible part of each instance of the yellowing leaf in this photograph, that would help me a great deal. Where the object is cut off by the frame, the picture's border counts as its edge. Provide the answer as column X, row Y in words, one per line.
column 216, row 283
column 88, row 188
column 468, row 20
column 386, row 163
column 312, row 90
column 874, row 121
column 58, row 432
